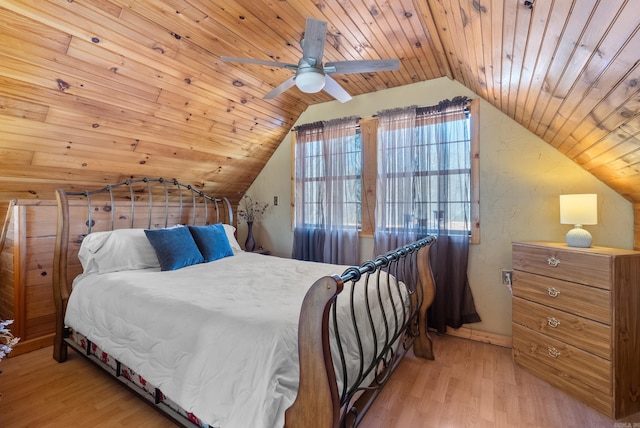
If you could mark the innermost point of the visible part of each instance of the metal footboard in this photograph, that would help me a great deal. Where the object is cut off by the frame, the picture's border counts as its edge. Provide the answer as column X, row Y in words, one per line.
column 393, row 294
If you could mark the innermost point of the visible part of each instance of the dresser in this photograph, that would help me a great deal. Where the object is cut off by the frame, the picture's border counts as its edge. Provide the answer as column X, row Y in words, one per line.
column 576, row 321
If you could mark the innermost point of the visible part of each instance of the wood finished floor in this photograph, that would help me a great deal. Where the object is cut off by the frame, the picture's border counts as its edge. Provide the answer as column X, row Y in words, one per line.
column 470, row 384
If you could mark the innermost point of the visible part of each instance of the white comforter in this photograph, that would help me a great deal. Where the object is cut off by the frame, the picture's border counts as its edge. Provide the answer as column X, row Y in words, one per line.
column 220, row 339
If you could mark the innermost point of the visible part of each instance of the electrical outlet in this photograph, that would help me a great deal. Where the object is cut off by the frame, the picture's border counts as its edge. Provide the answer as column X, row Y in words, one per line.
column 275, row 200
column 506, row 276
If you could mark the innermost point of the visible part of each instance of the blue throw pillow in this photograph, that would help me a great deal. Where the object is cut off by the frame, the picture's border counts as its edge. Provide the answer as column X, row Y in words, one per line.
column 212, row 241
column 174, row 247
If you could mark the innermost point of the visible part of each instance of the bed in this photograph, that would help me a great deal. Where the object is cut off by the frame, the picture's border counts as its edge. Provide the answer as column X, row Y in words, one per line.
column 217, row 336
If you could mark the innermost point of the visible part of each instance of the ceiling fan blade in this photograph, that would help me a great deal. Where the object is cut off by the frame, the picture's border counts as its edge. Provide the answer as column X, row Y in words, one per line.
column 315, row 34
column 259, row 62
column 334, row 89
column 281, row 88
column 362, row 66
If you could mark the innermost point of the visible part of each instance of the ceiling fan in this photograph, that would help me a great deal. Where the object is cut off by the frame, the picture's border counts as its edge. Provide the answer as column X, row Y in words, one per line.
column 311, row 75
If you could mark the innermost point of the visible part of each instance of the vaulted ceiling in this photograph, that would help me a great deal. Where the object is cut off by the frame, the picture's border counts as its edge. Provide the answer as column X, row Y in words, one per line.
column 95, row 91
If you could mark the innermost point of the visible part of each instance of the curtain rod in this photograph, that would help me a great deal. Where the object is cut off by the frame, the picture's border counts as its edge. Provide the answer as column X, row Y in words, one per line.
column 322, row 123
column 446, row 103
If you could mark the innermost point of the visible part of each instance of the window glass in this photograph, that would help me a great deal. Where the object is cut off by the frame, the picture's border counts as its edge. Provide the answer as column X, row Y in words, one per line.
column 330, row 166
column 439, row 169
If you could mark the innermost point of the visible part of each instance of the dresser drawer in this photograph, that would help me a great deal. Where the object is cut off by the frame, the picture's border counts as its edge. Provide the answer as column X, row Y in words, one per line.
column 547, row 354
column 590, row 268
column 589, row 302
column 557, row 377
column 580, row 332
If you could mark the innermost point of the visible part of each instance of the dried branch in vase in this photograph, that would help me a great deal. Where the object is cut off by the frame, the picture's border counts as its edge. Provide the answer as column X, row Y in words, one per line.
column 250, row 210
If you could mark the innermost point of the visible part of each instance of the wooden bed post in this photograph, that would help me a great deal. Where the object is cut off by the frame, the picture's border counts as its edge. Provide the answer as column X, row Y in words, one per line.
column 60, row 287
column 423, row 345
column 318, row 403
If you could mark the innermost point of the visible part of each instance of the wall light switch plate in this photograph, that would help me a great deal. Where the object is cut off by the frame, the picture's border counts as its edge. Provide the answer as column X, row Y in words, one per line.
column 506, row 276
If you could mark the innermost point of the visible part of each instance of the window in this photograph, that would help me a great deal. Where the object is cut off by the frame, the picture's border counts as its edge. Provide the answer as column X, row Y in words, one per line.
column 459, row 159
column 329, row 164
column 426, row 168
column 449, row 158
column 328, row 183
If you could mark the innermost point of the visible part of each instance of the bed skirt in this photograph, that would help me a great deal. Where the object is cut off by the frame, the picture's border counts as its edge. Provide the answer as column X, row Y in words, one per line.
column 134, row 381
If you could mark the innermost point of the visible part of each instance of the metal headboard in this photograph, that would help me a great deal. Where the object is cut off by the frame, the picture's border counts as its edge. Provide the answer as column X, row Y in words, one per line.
column 219, row 203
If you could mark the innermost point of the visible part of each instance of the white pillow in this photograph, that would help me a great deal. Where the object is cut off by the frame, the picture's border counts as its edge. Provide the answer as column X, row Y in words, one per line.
column 116, row 250
column 230, row 230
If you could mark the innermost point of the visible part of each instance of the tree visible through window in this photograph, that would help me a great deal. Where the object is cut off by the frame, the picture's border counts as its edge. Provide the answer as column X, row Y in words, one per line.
column 322, row 169
column 426, row 173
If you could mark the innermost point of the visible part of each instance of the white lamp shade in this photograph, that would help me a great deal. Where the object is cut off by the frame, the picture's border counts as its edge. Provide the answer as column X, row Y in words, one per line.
column 579, row 209
column 310, row 82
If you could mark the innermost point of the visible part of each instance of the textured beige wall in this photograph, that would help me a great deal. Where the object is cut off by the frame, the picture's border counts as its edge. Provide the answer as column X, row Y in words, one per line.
column 521, row 177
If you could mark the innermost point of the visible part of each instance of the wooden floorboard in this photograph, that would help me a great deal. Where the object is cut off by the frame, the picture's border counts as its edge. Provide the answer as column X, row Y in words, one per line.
column 470, row 384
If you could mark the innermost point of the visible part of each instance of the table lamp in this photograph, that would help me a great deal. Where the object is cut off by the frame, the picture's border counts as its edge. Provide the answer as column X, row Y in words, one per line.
column 579, row 210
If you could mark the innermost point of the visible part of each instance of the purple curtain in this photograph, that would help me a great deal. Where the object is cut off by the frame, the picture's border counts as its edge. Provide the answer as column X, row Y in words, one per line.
column 328, row 166
column 423, row 187
column 453, row 305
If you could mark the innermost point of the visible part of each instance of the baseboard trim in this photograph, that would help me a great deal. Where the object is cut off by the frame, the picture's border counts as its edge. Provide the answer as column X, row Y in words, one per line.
column 481, row 336
column 26, row 346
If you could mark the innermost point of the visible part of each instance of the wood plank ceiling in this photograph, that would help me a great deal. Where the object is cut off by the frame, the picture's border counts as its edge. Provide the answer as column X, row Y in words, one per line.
column 95, row 91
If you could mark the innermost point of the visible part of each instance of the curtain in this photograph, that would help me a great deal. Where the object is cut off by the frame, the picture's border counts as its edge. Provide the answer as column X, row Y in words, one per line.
column 328, row 168
column 396, row 183
column 423, row 188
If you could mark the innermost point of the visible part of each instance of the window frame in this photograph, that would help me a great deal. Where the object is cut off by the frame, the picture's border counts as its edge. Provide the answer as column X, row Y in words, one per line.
column 369, row 143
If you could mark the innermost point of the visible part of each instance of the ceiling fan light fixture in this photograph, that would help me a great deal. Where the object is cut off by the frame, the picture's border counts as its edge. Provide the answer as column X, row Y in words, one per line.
column 310, row 82
column 311, row 75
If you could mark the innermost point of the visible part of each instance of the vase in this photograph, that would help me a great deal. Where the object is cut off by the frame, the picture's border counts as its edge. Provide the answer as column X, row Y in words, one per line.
column 250, row 243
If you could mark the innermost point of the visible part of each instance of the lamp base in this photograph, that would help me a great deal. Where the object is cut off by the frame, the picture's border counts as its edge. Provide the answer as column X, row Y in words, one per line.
column 578, row 237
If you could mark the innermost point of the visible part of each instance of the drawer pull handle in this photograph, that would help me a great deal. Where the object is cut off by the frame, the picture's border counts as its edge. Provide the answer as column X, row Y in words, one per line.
column 552, row 322
column 553, row 292
column 553, row 352
column 553, row 261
